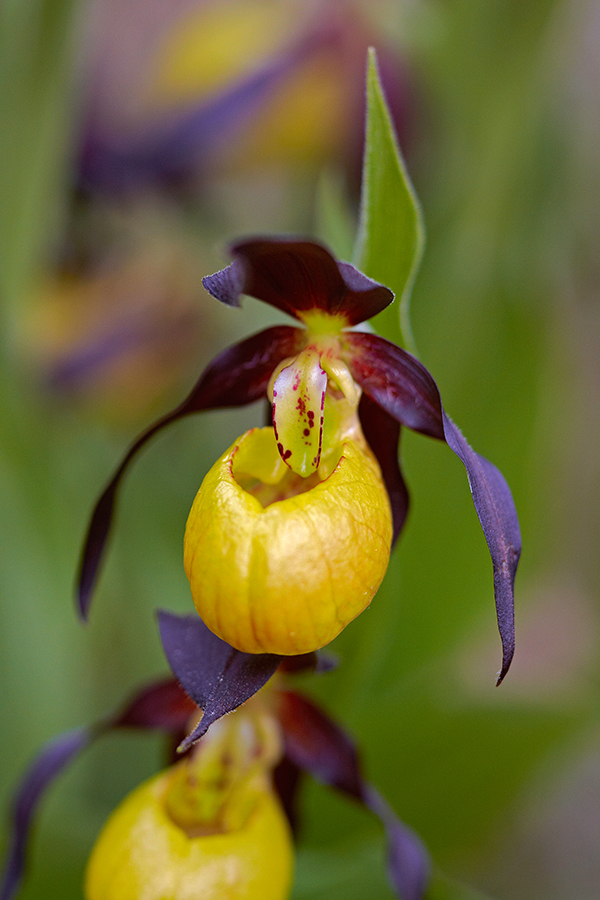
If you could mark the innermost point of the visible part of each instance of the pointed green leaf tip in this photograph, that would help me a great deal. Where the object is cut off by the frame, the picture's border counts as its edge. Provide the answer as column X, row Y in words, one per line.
column 391, row 233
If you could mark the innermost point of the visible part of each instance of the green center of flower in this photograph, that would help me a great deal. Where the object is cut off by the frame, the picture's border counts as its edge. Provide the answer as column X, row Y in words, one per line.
column 322, row 324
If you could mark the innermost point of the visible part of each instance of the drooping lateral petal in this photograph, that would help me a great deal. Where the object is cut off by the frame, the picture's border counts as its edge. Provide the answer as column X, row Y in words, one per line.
column 498, row 516
column 47, row 765
column 287, row 779
column 316, row 744
column 217, row 677
column 297, row 276
column 408, row 862
column 396, row 381
column 287, row 776
column 237, row 376
column 383, row 437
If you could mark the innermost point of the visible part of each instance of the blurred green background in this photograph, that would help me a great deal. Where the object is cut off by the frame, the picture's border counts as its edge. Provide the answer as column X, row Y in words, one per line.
column 500, row 124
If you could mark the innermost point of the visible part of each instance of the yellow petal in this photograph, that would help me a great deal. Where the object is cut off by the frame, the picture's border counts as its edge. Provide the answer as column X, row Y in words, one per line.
column 287, row 576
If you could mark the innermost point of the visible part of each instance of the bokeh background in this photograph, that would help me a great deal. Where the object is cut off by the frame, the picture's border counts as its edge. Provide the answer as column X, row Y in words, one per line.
column 136, row 138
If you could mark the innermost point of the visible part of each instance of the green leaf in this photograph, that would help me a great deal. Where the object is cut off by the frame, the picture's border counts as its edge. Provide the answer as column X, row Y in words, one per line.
column 391, row 234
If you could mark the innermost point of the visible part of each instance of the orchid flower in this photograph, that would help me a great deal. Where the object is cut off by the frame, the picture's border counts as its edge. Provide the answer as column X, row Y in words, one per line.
column 221, row 816
column 339, row 398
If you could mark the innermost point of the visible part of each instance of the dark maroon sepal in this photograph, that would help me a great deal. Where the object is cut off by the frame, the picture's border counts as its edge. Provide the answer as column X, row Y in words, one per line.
column 396, row 381
column 409, row 868
column 48, row 764
column 161, row 706
column 383, row 437
column 217, row 677
column 238, row 376
column 498, row 516
column 304, row 662
column 287, row 779
column 297, row 276
column 316, row 744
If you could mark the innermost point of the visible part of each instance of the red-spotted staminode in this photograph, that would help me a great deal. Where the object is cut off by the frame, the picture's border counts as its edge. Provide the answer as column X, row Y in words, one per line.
column 290, row 534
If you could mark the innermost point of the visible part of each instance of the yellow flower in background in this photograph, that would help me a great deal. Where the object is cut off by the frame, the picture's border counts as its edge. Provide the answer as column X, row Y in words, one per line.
column 312, row 103
column 115, row 338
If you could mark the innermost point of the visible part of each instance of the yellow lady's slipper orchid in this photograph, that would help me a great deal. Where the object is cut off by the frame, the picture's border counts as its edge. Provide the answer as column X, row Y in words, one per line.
column 285, row 570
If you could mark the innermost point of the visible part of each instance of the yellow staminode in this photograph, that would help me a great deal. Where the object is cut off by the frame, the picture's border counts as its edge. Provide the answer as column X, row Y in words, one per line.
column 281, row 564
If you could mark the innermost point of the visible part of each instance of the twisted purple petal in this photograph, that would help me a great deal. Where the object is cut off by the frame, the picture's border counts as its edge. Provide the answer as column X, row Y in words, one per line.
column 162, row 705
column 405, row 390
column 47, row 765
column 498, row 516
column 316, row 744
column 409, row 868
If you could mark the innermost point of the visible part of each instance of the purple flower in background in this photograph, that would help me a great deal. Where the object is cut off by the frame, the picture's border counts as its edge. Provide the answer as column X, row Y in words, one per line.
column 171, row 94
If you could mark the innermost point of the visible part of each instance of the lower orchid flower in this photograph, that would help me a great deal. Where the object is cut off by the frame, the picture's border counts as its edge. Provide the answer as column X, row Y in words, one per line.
column 219, row 822
column 211, row 826
column 289, row 537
